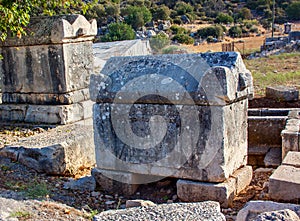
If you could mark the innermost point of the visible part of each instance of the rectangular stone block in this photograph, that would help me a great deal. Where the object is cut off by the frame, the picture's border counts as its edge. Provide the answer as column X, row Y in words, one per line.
column 284, row 183
column 291, row 133
column 46, row 99
column 111, row 181
column 47, row 69
column 191, row 191
column 182, row 116
column 292, row 159
column 282, row 93
column 43, row 114
column 64, row 150
column 214, row 157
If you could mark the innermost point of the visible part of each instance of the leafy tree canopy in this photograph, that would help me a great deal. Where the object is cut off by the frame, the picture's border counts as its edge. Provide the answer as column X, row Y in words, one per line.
column 15, row 14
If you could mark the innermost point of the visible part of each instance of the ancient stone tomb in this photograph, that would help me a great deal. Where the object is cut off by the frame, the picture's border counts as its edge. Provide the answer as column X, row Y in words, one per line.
column 46, row 73
column 182, row 116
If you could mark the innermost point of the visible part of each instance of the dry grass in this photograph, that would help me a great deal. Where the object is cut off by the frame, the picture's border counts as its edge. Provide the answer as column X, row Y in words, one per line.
column 283, row 69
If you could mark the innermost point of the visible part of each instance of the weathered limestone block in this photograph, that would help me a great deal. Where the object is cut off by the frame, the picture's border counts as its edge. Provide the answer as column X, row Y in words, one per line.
column 55, row 58
column 64, row 150
column 285, row 214
column 291, row 133
column 284, row 183
column 104, row 50
column 192, row 191
column 282, row 93
column 46, row 114
column 181, row 116
column 253, row 208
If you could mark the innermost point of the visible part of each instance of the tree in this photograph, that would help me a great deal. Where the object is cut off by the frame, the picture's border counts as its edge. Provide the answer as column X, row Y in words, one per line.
column 158, row 42
column 183, row 8
column 137, row 16
column 293, row 11
column 235, row 31
column 161, row 13
column 15, row 14
column 224, row 18
column 215, row 31
column 119, row 32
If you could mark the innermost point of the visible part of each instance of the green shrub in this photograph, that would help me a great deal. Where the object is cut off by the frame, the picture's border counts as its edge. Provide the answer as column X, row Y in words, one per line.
column 215, row 31
column 224, row 18
column 119, row 32
column 158, row 42
column 183, row 39
column 235, row 31
column 176, row 29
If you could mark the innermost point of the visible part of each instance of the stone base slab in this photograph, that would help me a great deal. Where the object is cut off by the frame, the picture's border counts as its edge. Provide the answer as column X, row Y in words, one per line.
column 282, row 93
column 284, row 183
column 43, row 114
column 190, row 191
column 121, row 182
column 113, row 185
column 46, row 99
column 64, row 150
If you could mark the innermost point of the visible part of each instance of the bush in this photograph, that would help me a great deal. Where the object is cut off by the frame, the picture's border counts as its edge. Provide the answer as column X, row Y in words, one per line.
column 161, row 13
column 183, row 39
column 224, row 18
column 176, row 29
column 170, row 50
column 158, row 42
column 293, row 11
column 235, row 31
column 137, row 16
column 119, row 32
column 215, row 31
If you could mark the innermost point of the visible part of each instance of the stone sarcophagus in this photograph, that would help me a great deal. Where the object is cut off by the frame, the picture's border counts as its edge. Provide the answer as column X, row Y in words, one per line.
column 46, row 73
column 182, row 116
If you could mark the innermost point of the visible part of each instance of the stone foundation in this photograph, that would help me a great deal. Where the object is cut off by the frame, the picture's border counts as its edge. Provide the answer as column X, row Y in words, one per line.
column 224, row 193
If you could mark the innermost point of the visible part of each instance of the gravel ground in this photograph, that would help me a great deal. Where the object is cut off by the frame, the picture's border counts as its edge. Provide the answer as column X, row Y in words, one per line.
column 46, row 199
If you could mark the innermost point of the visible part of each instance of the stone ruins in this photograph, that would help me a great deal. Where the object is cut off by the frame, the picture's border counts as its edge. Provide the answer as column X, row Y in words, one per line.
column 177, row 116
column 182, row 116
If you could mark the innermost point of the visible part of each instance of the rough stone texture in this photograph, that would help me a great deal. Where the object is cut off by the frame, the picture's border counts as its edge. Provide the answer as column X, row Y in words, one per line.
column 265, row 130
column 282, row 93
column 292, row 159
column 286, row 214
column 86, row 183
column 50, row 66
column 68, row 149
column 105, row 50
column 273, row 158
column 137, row 203
column 54, row 114
column 191, row 191
column 202, row 99
column 284, row 183
column 291, row 133
column 50, row 99
column 253, row 208
column 209, row 211
column 55, row 30
column 107, row 180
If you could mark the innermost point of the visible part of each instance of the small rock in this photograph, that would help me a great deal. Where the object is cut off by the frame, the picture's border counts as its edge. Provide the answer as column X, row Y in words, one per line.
column 169, row 191
column 110, row 202
column 174, row 197
column 108, row 197
column 137, row 203
column 169, row 201
column 95, row 194
column 163, row 183
column 87, row 183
